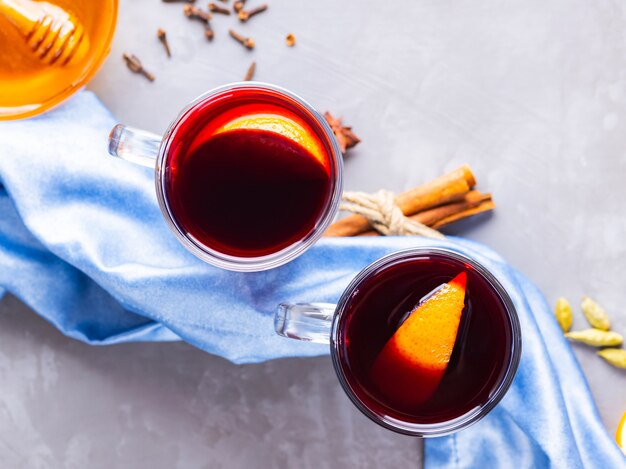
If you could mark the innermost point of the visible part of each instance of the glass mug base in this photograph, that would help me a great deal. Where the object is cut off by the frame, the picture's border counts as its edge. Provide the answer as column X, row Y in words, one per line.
column 248, row 176
column 484, row 358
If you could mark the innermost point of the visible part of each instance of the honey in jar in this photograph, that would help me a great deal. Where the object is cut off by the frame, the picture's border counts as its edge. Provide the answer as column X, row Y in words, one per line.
column 28, row 85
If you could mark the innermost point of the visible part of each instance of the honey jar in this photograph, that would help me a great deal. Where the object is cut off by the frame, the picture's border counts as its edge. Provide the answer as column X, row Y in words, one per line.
column 30, row 86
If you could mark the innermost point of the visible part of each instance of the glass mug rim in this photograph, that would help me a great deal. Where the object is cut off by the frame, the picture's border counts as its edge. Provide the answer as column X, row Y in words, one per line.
column 424, row 430
column 441, row 428
column 214, row 256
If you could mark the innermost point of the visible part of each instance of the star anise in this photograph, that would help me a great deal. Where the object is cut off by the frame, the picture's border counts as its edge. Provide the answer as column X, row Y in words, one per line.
column 345, row 137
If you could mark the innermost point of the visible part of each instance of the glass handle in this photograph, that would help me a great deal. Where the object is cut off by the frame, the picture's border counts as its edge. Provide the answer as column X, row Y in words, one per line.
column 134, row 145
column 310, row 322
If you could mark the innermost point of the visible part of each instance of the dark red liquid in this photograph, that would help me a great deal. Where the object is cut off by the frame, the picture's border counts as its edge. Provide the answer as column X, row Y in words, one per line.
column 481, row 354
column 245, row 192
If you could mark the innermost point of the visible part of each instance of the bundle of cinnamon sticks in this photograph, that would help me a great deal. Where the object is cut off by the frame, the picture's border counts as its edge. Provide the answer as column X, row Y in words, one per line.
column 438, row 203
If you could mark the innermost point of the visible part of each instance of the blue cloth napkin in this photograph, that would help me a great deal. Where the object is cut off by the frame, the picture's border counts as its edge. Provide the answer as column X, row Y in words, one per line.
column 83, row 243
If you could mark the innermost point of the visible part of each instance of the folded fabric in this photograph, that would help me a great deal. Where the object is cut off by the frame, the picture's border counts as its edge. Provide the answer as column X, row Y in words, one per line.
column 82, row 242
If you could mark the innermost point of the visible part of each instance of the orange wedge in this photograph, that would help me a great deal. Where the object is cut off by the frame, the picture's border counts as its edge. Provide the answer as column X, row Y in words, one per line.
column 412, row 363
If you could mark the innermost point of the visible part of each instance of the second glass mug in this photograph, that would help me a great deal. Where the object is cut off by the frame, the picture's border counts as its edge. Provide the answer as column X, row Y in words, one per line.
column 360, row 327
column 241, row 107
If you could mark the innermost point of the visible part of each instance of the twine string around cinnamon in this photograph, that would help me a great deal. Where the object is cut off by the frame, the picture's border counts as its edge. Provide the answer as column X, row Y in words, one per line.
column 384, row 214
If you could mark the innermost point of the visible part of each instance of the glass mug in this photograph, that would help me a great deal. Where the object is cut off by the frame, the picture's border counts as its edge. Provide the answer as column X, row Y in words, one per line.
column 484, row 358
column 248, row 176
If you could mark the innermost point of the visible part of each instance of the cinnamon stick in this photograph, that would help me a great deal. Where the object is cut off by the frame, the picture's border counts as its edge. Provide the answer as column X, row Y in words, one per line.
column 451, row 187
column 483, row 207
column 474, row 202
column 434, row 215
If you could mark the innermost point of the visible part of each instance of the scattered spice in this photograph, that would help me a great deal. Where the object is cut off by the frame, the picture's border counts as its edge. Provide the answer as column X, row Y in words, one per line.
column 596, row 316
column 208, row 32
column 596, row 337
column 344, row 134
column 246, row 15
column 444, row 200
column 290, row 40
column 214, row 8
column 250, row 72
column 563, row 313
column 205, row 17
column 192, row 12
column 247, row 42
column 135, row 66
column 161, row 34
column 614, row 356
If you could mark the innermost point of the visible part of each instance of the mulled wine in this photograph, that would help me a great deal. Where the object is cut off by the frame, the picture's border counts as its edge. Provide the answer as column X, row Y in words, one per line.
column 248, row 175
column 451, row 365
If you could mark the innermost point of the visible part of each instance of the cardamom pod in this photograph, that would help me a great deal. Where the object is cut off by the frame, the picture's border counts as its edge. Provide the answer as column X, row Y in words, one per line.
column 614, row 356
column 563, row 313
column 595, row 315
column 596, row 337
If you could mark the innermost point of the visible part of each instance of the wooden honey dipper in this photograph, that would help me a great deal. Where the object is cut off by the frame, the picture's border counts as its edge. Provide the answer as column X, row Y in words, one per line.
column 53, row 34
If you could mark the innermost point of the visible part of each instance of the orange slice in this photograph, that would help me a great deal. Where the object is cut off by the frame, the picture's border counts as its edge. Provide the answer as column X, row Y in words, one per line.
column 620, row 435
column 412, row 363
column 289, row 126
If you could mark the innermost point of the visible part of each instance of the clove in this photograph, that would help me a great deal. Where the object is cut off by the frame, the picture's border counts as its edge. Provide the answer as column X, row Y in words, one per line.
column 208, row 31
column 250, row 72
column 238, row 5
column 135, row 66
column 163, row 38
column 247, row 42
column 192, row 12
column 218, row 9
column 246, row 15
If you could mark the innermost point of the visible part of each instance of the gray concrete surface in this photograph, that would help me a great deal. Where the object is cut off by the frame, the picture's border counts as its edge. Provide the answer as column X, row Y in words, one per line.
column 64, row 404
column 530, row 93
